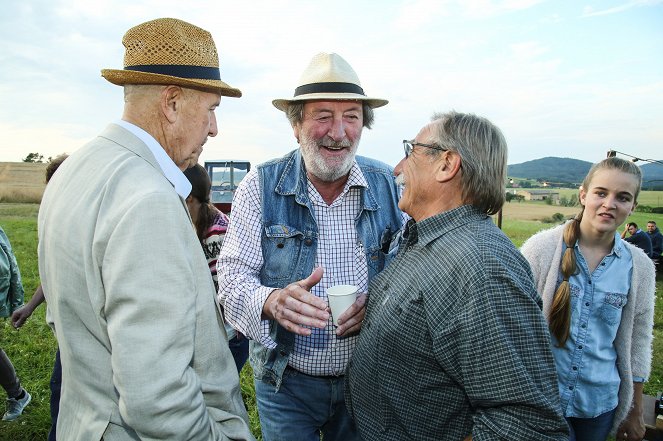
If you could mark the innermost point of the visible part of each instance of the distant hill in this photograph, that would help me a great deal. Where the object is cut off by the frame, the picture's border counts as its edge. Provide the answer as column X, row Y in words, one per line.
column 572, row 171
column 551, row 169
column 652, row 172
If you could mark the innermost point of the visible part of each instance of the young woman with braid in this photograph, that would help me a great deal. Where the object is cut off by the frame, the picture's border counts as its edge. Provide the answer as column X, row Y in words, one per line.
column 211, row 225
column 598, row 298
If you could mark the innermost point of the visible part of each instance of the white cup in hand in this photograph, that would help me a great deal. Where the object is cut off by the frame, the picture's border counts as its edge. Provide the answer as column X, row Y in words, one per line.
column 341, row 297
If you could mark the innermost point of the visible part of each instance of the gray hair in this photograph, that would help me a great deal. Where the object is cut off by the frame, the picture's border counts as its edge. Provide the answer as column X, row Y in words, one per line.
column 295, row 113
column 483, row 152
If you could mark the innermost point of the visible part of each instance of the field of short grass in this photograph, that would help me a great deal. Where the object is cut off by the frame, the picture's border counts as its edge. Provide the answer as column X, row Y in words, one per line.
column 32, row 348
column 650, row 198
column 21, row 181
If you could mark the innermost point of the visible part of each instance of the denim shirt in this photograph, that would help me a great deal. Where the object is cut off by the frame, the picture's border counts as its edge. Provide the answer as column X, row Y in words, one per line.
column 290, row 238
column 587, row 363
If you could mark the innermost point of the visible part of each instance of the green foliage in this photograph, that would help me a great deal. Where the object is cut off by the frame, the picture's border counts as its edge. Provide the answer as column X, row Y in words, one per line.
column 514, row 197
column 568, row 201
column 34, row 157
column 555, row 218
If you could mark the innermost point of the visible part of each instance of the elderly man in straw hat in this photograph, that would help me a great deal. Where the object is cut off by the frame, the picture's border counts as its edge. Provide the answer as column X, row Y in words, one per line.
column 317, row 217
column 128, row 289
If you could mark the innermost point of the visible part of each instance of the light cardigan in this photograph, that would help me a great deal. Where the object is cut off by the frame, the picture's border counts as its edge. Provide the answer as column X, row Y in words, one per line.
column 633, row 342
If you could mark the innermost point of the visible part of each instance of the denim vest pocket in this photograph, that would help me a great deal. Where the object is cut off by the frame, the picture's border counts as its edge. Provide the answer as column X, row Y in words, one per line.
column 282, row 248
column 611, row 310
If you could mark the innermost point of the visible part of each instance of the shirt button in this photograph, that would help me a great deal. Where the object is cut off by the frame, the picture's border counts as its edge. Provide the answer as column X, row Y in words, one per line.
column 602, row 263
column 586, row 303
column 575, row 368
column 580, row 347
column 279, row 245
column 570, row 387
column 589, row 282
column 583, row 326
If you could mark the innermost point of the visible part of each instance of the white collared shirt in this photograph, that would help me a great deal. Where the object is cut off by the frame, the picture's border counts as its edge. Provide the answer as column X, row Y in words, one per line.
column 168, row 167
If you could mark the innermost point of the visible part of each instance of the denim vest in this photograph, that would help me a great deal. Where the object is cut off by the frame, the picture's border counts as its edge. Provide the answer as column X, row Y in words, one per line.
column 290, row 239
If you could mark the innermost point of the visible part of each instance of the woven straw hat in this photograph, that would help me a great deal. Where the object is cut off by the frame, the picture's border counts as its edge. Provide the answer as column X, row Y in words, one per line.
column 170, row 51
column 329, row 77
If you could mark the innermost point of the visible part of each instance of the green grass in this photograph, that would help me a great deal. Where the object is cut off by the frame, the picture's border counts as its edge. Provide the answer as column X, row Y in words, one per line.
column 32, row 348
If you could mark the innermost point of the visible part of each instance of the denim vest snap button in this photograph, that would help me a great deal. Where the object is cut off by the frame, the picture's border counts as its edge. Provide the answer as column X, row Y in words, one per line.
column 308, row 242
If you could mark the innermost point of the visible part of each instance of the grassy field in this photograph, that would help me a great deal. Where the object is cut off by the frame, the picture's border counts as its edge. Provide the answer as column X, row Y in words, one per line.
column 651, row 198
column 32, row 348
column 21, row 181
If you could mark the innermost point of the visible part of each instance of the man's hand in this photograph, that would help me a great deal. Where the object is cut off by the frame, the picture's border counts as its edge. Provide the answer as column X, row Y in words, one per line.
column 23, row 313
column 351, row 320
column 20, row 316
column 295, row 308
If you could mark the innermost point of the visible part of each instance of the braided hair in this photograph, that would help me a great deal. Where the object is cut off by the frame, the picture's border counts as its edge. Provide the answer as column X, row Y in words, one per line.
column 560, row 313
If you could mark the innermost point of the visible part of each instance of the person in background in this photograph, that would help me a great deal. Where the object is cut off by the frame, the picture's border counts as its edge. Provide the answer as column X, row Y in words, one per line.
column 11, row 298
column 637, row 237
column 453, row 344
column 211, row 224
column 22, row 314
column 129, row 293
column 319, row 216
column 656, row 243
column 598, row 298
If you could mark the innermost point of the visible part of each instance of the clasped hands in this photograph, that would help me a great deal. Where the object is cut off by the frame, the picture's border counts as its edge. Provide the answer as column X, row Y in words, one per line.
column 297, row 310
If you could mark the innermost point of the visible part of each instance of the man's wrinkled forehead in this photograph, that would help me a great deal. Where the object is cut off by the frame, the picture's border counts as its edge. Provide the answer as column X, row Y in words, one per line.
column 332, row 105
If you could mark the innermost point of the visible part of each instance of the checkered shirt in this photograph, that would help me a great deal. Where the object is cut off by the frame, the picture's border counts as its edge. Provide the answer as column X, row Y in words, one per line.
column 339, row 252
column 454, row 342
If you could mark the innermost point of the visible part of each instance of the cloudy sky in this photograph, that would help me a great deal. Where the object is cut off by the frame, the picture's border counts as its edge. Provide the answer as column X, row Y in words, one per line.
column 567, row 78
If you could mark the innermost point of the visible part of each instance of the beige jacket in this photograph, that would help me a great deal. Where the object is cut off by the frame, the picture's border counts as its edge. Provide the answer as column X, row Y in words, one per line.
column 131, row 299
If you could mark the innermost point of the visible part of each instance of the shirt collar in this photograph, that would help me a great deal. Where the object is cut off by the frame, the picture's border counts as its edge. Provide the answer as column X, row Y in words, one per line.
column 433, row 227
column 170, row 170
column 356, row 177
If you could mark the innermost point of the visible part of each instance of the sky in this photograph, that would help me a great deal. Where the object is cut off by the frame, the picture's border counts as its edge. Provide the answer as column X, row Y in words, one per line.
column 565, row 78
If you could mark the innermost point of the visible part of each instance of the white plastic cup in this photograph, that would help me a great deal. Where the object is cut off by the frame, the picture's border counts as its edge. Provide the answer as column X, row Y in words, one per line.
column 341, row 297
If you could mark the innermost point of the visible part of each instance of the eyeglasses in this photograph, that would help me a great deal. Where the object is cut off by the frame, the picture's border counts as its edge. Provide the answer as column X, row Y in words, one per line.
column 408, row 146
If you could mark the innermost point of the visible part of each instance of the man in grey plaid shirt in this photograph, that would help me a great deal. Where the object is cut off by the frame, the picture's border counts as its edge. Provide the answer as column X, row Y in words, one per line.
column 454, row 345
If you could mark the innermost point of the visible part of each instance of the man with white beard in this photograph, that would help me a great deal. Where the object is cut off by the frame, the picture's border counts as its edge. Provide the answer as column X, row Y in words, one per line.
column 317, row 217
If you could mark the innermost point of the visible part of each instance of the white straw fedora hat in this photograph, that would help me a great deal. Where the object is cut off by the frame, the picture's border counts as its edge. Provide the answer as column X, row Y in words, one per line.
column 170, row 51
column 329, row 77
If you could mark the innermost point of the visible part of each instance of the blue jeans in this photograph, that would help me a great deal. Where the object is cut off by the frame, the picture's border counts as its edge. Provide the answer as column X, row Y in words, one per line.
column 304, row 407
column 591, row 429
column 239, row 347
column 56, row 386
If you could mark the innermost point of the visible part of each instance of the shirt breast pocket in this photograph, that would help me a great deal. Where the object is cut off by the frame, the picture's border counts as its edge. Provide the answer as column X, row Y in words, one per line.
column 281, row 248
column 611, row 310
column 575, row 294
